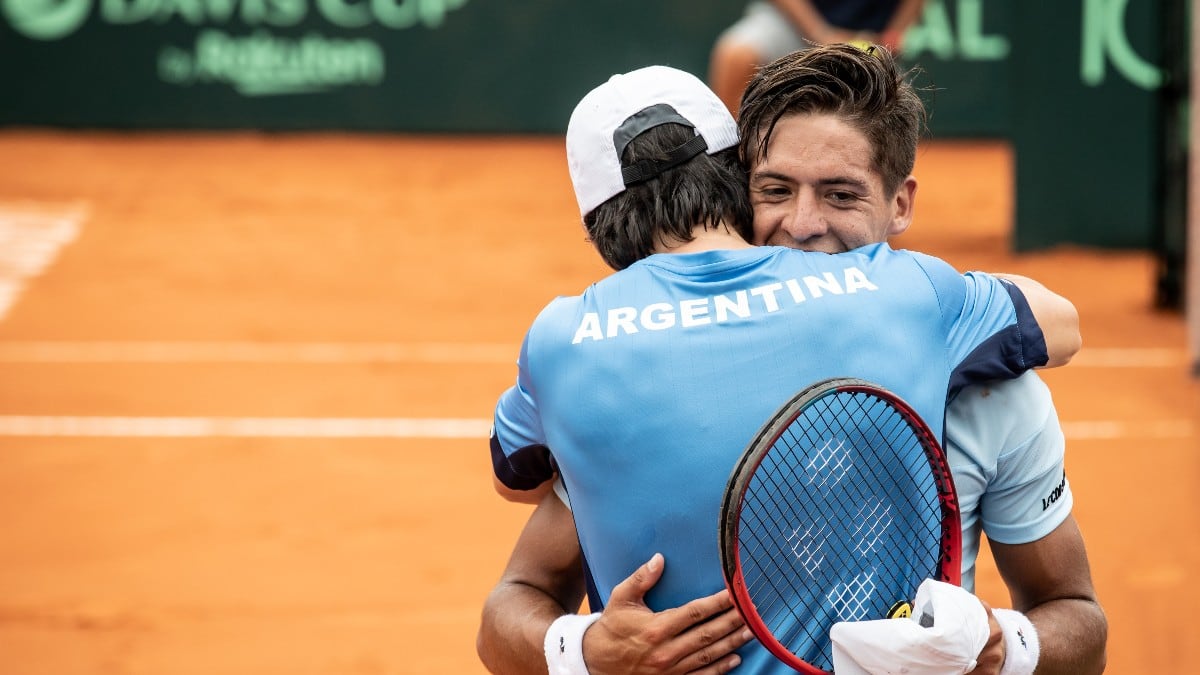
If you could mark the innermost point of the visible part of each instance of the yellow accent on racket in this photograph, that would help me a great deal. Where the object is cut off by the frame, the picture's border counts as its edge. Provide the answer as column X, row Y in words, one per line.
column 902, row 609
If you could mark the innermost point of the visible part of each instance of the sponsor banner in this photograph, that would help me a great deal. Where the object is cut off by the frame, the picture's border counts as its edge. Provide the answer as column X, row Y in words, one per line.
column 1074, row 85
column 409, row 65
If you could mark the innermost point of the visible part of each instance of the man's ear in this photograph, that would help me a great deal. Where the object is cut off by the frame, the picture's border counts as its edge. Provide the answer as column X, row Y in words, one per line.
column 902, row 206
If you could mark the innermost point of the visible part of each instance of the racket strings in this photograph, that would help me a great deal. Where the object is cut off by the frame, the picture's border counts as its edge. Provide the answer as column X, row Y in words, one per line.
column 822, row 518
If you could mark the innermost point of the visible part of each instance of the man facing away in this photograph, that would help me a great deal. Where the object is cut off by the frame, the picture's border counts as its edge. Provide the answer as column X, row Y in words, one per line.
column 616, row 381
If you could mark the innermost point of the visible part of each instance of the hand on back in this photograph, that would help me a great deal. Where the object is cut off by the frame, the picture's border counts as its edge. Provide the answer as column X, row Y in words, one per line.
column 699, row 637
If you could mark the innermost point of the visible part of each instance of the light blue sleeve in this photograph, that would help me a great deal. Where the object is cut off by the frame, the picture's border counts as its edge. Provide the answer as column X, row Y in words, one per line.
column 517, row 421
column 1011, row 430
column 991, row 330
column 520, row 457
column 987, row 311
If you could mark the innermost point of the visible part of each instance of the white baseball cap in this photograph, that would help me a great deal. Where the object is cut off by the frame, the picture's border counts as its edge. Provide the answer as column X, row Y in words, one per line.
column 612, row 114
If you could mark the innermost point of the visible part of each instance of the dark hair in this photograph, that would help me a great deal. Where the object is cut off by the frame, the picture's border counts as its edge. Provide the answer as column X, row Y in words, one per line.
column 704, row 190
column 864, row 88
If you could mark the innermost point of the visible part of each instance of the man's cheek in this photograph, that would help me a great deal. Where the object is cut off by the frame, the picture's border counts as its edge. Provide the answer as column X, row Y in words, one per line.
column 769, row 225
column 766, row 231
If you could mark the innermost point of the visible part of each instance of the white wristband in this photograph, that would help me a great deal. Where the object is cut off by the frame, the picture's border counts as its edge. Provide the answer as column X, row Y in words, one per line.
column 564, row 643
column 1020, row 642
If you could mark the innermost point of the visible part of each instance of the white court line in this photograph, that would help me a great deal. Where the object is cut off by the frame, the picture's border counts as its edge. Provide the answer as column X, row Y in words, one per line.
column 257, row 352
column 404, row 352
column 1130, row 357
column 31, row 235
column 402, row 427
column 244, row 427
column 1111, row 429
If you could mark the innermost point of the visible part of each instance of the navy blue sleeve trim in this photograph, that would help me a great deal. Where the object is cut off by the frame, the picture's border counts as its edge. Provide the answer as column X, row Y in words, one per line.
column 1033, row 341
column 1006, row 354
column 998, row 358
column 525, row 469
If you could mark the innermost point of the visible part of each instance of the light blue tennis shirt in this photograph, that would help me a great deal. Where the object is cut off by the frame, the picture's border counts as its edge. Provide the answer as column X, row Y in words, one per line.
column 1007, row 455
column 647, row 387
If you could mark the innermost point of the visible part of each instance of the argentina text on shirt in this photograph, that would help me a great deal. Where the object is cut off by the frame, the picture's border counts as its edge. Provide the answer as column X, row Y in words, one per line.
column 739, row 304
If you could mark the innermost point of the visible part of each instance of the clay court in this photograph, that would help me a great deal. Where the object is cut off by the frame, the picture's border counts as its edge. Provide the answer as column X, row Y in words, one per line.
column 246, row 382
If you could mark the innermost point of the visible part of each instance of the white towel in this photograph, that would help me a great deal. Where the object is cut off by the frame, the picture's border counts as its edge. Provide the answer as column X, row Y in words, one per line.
column 947, row 630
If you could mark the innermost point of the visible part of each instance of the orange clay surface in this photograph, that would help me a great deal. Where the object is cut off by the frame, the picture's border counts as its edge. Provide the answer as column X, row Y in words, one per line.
column 211, row 270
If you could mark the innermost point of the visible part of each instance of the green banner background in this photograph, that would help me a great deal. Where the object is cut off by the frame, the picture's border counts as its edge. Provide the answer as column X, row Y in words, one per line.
column 1073, row 83
column 406, row 65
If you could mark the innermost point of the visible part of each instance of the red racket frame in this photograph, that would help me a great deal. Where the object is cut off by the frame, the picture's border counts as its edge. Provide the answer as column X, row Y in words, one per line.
column 949, row 568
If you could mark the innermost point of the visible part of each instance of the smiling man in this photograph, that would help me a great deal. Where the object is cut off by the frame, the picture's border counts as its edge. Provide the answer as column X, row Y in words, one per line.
column 829, row 138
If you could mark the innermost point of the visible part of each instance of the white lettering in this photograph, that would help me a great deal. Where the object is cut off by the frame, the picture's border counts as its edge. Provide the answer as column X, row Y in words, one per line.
column 856, row 279
column 724, row 305
column 796, row 291
column 588, row 328
column 767, row 293
column 694, row 313
column 621, row 317
column 827, row 282
column 658, row 316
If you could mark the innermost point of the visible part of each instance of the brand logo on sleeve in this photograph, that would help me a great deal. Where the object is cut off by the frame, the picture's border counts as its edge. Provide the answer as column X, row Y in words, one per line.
column 1055, row 494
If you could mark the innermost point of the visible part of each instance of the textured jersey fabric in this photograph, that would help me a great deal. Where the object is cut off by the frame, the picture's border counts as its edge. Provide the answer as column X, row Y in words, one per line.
column 1006, row 453
column 1006, row 450
column 648, row 385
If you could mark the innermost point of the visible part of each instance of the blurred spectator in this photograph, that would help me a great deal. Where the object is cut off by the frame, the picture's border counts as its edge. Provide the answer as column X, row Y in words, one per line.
column 770, row 29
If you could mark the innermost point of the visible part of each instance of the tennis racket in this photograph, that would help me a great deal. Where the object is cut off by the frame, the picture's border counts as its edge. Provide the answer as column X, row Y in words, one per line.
column 837, row 511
